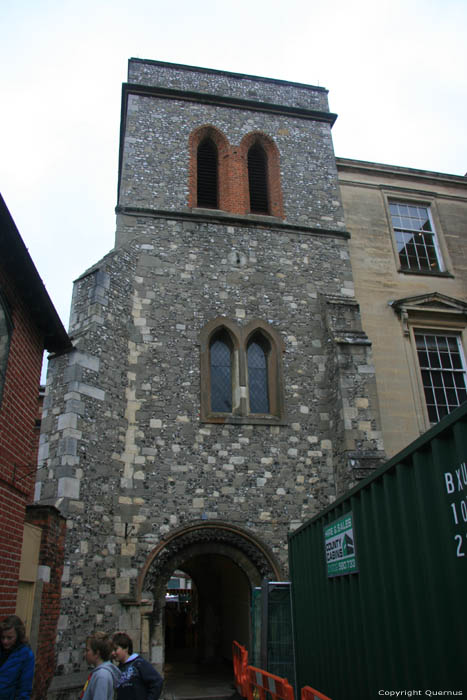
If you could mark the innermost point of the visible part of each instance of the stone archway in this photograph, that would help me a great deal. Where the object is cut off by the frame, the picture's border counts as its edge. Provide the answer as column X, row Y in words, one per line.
column 225, row 562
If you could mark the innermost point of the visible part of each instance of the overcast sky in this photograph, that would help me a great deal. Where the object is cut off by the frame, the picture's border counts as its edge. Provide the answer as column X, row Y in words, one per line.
column 395, row 71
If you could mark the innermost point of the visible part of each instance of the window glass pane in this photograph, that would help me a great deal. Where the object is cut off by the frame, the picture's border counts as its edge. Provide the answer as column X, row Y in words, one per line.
column 258, row 376
column 443, row 373
column 221, row 374
column 415, row 237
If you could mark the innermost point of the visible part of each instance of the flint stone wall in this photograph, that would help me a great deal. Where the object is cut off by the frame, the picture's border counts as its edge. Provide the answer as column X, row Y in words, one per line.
column 123, row 452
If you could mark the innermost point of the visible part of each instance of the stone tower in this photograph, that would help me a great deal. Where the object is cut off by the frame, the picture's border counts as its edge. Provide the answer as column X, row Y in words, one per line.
column 220, row 390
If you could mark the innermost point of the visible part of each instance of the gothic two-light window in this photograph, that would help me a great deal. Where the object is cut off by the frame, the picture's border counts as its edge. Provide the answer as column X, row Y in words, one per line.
column 241, row 377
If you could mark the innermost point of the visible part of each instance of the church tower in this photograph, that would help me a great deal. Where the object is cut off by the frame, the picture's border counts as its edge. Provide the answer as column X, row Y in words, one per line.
column 221, row 390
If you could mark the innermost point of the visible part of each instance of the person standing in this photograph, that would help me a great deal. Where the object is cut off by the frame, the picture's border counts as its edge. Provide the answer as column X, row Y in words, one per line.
column 139, row 680
column 16, row 660
column 102, row 681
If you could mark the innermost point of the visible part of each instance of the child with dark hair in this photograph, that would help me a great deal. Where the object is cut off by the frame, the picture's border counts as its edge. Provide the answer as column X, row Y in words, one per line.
column 139, row 680
column 103, row 679
column 16, row 660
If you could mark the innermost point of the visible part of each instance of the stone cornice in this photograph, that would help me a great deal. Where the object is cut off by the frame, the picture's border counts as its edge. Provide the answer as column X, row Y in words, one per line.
column 348, row 165
column 215, row 216
column 227, row 101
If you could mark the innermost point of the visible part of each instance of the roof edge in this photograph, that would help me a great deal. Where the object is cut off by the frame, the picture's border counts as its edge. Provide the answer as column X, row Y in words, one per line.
column 30, row 284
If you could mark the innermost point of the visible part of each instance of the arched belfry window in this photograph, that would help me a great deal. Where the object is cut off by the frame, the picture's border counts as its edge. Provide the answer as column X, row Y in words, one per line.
column 258, row 380
column 241, row 373
column 258, row 179
column 207, row 174
column 208, row 185
column 220, row 359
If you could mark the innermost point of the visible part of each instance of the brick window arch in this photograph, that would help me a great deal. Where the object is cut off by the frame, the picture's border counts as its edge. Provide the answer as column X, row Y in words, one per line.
column 208, row 179
column 262, row 185
column 241, row 373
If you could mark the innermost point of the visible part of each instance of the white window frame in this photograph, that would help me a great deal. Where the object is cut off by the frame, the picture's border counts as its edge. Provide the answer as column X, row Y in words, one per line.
column 444, row 333
column 400, row 201
column 429, row 314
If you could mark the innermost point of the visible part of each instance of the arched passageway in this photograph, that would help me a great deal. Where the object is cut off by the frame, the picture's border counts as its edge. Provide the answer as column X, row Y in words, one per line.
column 224, row 563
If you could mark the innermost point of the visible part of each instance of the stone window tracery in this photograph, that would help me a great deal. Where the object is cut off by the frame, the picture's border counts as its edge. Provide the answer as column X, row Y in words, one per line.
column 241, row 373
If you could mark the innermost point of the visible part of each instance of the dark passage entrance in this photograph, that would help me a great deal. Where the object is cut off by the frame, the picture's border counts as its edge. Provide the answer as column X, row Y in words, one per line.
column 200, row 624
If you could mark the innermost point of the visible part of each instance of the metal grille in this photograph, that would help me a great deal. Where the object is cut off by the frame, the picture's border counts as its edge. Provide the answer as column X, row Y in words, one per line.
column 258, row 376
column 280, row 637
column 415, row 237
column 443, row 373
column 221, row 374
column 207, row 175
column 257, row 180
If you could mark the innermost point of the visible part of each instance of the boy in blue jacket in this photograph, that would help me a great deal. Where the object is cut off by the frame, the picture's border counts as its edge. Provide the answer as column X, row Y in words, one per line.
column 16, row 660
column 139, row 679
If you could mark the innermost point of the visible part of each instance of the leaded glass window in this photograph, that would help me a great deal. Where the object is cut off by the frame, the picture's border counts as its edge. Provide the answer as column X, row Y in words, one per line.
column 416, row 240
column 443, row 373
column 221, row 373
column 258, row 375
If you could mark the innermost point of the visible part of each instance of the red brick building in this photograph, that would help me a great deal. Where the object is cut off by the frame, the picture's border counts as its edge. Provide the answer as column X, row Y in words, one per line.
column 31, row 537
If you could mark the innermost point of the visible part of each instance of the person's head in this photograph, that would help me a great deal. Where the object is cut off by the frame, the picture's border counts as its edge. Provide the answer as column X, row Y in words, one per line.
column 12, row 632
column 122, row 646
column 98, row 648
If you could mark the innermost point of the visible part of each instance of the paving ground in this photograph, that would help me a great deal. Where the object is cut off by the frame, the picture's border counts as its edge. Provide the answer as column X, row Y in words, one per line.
column 186, row 680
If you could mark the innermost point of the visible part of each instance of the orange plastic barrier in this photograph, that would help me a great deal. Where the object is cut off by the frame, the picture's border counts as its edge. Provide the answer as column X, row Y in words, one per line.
column 261, row 682
column 309, row 693
column 240, row 664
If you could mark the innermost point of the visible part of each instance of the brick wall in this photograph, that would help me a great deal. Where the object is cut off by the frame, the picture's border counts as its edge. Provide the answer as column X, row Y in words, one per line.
column 53, row 527
column 18, row 412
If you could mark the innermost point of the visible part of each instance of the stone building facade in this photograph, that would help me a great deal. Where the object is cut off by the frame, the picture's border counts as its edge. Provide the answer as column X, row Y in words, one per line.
column 221, row 389
column 409, row 260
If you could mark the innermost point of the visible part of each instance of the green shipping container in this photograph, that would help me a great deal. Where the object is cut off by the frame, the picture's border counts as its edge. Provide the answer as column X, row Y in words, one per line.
column 379, row 579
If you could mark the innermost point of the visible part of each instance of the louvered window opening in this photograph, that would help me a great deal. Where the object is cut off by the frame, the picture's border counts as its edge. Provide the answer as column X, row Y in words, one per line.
column 221, row 373
column 257, row 180
column 207, row 194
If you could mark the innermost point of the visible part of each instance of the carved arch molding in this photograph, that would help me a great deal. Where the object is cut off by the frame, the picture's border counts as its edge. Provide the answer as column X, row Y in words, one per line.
column 244, row 550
